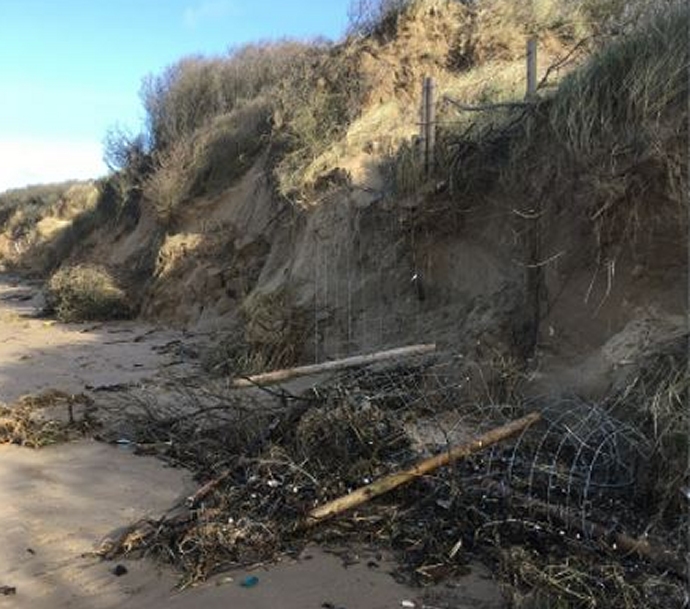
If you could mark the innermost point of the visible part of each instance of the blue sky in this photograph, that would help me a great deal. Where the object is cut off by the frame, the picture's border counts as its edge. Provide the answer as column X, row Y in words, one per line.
column 70, row 69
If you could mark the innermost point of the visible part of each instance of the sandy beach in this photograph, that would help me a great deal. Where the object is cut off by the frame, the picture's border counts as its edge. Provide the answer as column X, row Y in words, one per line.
column 59, row 502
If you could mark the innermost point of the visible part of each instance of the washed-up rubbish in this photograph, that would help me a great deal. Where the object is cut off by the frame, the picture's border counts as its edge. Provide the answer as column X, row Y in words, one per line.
column 119, row 570
column 250, row 581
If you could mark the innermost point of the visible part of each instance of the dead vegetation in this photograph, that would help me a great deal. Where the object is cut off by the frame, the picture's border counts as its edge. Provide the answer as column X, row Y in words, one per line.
column 269, row 335
column 585, row 509
column 208, row 116
column 48, row 418
column 86, row 292
column 538, row 509
column 41, row 225
column 655, row 395
column 619, row 119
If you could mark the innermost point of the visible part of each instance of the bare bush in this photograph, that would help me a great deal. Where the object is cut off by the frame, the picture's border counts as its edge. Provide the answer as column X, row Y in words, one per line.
column 207, row 117
column 195, row 90
column 123, row 151
column 169, row 184
column 208, row 160
column 314, row 106
column 367, row 17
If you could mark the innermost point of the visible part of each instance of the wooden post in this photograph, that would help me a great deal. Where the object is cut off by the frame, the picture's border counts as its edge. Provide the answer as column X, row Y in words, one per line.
column 423, row 126
column 431, row 123
column 531, row 69
column 534, row 270
column 428, row 124
column 534, row 278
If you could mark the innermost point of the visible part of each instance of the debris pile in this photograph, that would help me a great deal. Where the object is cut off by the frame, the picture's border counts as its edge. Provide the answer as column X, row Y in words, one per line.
column 31, row 421
column 555, row 509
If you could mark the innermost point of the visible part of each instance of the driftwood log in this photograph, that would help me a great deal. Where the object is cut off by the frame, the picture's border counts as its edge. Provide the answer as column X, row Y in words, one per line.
column 276, row 376
column 388, row 483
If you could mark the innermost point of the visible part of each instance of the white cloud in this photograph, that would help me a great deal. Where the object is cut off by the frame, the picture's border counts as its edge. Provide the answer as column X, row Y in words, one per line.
column 209, row 11
column 25, row 161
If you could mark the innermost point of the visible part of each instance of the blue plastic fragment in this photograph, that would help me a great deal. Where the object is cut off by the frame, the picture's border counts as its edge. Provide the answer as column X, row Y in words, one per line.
column 250, row 581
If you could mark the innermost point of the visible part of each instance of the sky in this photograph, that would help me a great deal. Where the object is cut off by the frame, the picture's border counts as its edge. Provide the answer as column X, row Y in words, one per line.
column 72, row 69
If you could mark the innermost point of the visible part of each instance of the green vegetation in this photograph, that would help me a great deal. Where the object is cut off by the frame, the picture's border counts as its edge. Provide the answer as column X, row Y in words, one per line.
column 86, row 292
column 627, row 87
column 624, row 108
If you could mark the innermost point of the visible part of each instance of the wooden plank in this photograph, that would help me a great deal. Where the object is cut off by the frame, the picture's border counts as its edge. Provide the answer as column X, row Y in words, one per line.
column 276, row 376
column 388, row 483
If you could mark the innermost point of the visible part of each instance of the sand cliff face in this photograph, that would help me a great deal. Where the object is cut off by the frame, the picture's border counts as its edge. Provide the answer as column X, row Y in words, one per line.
column 546, row 257
column 359, row 271
column 512, row 248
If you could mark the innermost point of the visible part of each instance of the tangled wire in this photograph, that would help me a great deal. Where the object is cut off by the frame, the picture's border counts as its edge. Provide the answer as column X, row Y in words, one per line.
column 557, row 511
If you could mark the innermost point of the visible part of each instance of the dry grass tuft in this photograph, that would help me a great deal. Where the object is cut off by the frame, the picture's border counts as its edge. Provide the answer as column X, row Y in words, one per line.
column 26, row 424
column 655, row 396
column 270, row 335
column 623, row 93
column 274, row 329
column 86, row 292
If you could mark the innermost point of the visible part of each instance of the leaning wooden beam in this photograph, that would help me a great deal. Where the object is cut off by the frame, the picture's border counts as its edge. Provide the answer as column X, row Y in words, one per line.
column 268, row 378
column 388, row 483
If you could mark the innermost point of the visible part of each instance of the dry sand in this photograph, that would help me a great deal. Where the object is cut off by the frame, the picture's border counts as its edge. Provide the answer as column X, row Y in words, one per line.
column 59, row 502
column 38, row 354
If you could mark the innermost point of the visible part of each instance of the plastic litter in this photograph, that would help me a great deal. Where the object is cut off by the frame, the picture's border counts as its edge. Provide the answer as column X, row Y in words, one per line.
column 250, row 581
